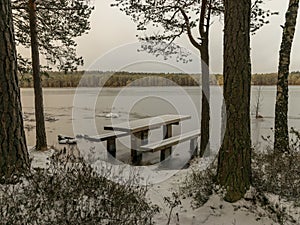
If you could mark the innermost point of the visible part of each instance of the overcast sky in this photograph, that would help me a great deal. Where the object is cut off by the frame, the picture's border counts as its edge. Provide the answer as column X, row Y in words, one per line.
column 112, row 44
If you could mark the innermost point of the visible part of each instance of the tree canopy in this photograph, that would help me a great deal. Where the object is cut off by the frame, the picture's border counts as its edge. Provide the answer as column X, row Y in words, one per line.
column 167, row 20
column 59, row 22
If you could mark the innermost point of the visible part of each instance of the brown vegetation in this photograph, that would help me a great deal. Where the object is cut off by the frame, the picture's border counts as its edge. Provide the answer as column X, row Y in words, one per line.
column 120, row 79
column 70, row 191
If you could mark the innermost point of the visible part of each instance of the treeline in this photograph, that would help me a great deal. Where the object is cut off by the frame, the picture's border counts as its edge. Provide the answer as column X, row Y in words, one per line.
column 111, row 79
column 271, row 79
column 120, row 79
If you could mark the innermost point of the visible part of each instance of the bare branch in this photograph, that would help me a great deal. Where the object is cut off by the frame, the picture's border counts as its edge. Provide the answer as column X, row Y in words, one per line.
column 188, row 27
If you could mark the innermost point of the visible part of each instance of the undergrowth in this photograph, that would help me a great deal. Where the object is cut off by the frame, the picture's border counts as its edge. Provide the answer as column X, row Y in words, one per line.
column 71, row 192
column 279, row 174
column 199, row 185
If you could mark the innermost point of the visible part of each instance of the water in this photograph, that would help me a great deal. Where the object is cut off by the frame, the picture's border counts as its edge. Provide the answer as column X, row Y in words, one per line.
column 139, row 102
column 263, row 127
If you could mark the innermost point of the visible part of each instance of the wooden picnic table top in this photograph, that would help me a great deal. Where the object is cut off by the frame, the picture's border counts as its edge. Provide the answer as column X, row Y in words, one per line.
column 147, row 123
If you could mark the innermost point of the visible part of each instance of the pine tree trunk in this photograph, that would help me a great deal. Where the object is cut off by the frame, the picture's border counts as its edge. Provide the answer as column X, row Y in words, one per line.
column 13, row 150
column 41, row 141
column 281, row 138
column 205, row 113
column 234, row 162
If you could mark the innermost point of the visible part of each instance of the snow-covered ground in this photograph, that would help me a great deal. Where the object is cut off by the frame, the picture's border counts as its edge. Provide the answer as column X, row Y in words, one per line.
column 214, row 212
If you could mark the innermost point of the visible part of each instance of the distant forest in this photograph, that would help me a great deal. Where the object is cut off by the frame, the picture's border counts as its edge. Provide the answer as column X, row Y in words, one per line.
column 120, row 79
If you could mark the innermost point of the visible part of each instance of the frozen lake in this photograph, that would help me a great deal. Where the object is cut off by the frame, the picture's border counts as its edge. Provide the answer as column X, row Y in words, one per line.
column 85, row 111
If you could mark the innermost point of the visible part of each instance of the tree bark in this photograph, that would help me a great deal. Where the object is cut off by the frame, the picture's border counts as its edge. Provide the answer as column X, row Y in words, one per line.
column 41, row 140
column 234, row 161
column 281, row 137
column 204, row 25
column 205, row 112
column 13, row 150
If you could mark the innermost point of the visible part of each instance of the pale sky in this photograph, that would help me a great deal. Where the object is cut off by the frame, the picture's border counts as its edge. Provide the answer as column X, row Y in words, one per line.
column 111, row 43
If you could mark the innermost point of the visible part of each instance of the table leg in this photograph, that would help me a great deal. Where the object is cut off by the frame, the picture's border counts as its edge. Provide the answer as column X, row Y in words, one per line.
column 138, row 139
column 194, row 147
column 134, row 140
column 167, row 132
column 145, row 137
column 111, row 146
column 136, row 156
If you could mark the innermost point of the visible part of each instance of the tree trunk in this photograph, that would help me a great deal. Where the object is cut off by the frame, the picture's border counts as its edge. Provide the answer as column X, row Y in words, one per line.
column 41, row 141
column 13, row 150
column 204, row 24
column 234, row 162
column 281, row 138
column 205, row 113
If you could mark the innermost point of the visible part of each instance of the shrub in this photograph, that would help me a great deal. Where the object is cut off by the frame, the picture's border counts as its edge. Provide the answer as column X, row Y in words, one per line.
column 73, row 193
column 199, row 185
column 279, row 174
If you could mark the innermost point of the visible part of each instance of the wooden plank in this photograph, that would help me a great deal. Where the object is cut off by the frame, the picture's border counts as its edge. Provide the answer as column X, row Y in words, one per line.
column 160, row 145
column 147, row 123
column 106, row 136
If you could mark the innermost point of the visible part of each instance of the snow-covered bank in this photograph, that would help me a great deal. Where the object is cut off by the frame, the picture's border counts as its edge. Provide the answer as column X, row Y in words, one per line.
column 214, row 212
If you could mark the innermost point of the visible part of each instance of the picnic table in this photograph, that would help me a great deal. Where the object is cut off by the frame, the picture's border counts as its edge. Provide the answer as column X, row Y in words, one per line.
column 139, row 130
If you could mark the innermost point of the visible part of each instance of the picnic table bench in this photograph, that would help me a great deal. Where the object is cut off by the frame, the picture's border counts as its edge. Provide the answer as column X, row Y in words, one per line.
column 110, row 139
column 169, row 142
column 138, row 131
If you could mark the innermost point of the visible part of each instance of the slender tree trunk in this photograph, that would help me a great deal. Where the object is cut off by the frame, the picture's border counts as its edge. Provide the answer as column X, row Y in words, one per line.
column 13, row 150
column 234, row 162
column 281, row 138
column 205, row 113
column 204, row 25
column 41, row 141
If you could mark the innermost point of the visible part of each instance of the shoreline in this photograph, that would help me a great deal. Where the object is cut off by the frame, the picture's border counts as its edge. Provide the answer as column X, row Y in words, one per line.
column 122, row 79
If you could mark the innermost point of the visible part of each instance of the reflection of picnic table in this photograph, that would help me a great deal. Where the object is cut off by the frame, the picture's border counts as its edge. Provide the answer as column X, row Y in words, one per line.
column 139, row 129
